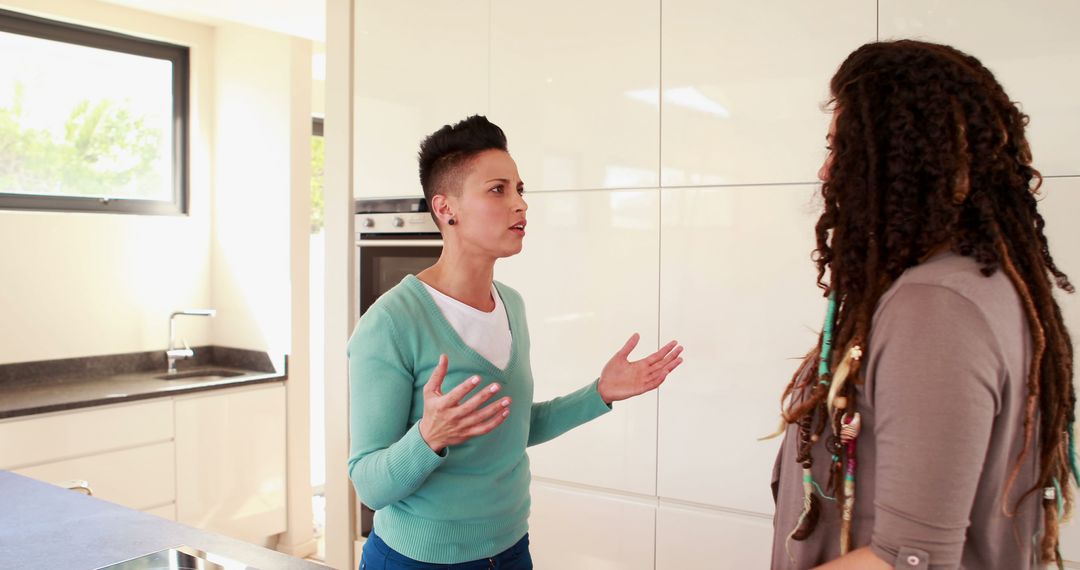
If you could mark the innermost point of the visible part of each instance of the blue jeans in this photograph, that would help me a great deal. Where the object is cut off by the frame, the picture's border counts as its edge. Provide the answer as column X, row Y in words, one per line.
column 378, row 556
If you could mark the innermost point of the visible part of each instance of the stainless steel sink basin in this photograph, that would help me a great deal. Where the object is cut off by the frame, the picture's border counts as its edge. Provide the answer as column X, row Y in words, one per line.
column 200, row 374
column 179, row 558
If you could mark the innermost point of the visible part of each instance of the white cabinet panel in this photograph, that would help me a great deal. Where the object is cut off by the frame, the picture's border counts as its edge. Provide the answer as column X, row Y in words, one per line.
column 574, row 529
column 138, row 478
column 1033, row 50
column 743, row 86
column 420, row 65
column 230, row 462
column 54, row 437
column 737, row 287
column 689, row 538
column 575, row 86
column 588, row 277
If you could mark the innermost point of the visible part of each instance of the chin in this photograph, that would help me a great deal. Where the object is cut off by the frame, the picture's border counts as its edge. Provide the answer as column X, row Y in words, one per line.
column 511, row 252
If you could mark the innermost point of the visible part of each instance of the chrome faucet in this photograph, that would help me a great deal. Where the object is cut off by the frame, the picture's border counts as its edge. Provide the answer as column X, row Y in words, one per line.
column 174, row 354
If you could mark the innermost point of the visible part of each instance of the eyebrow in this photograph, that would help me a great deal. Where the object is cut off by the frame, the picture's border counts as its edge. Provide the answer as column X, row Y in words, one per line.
column 505, row 181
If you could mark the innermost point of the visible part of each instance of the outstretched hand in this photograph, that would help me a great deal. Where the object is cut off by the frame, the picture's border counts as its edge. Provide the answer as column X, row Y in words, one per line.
column 622, row 379
column 450, row 419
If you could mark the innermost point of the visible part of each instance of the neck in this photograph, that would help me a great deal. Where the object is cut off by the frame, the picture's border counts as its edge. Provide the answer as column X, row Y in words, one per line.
column 464, row 277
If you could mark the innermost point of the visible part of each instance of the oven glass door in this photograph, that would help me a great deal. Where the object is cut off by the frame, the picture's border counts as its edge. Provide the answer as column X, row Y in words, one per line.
column 381, row 266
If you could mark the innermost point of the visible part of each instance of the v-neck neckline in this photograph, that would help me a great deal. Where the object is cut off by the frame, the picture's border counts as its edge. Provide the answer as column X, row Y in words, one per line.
column 417, row 286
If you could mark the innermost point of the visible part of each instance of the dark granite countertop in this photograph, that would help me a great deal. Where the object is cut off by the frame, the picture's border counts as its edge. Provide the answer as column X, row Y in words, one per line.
column 50, row 386
column 43, row 526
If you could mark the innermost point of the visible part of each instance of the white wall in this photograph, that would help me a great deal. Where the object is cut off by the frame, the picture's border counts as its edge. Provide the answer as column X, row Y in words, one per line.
column 258, row 93
column 670, row 153
column 90, row 284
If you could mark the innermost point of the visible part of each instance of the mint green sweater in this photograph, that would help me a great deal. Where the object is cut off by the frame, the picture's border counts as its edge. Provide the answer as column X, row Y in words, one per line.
column 472, row 502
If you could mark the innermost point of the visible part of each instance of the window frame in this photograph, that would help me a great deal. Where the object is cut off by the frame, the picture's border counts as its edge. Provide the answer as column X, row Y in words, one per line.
column 32, row 26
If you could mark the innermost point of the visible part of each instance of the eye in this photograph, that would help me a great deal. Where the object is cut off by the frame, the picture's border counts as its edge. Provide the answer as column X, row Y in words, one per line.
column 498, row 189
column 828, row 148
column 521, row 190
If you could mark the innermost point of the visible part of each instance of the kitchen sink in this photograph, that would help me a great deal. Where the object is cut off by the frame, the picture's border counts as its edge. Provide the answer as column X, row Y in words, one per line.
column 179, row 558
column 200, row 374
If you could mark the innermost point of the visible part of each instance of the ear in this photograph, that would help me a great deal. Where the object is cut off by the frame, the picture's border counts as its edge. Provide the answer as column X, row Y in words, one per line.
column 442, row 208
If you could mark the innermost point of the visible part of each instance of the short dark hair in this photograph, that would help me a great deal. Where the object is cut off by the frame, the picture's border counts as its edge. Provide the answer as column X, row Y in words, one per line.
column 445, row 153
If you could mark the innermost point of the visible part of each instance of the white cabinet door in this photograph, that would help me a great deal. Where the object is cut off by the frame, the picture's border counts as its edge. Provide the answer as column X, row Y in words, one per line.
column 575, row 85
column 743, row 86
column 690, row 538
column 139, row 478
column 34, row 440
column 1029, row 47
column 737, row 287
column 574, row 529
column 230, row 461
column 588, row 277
column 420, row 65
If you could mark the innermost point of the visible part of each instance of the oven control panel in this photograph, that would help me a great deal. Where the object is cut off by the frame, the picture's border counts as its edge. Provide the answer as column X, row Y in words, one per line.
column 395, row 223
column 394, row 216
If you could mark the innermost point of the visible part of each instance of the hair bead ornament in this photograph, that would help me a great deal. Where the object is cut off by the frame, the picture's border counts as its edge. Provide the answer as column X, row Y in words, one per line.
column 852, row 424
column 849, row 433
column 848, row 367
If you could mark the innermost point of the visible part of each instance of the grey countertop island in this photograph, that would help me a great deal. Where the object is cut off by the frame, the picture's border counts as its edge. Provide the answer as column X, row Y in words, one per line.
column 43, row 527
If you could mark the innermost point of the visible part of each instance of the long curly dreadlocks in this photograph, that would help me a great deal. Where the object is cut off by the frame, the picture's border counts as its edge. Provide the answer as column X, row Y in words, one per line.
column 929, row 152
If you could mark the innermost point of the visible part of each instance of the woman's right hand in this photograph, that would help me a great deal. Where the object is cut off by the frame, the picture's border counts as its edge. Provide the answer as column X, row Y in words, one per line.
column 449, row 421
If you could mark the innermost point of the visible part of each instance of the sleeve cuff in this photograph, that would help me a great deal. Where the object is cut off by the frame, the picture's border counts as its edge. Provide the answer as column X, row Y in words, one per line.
column 599, row 407
column 416, row 460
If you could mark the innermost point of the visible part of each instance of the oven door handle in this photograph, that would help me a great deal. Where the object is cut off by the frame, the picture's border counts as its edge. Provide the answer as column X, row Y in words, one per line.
column 399, row 242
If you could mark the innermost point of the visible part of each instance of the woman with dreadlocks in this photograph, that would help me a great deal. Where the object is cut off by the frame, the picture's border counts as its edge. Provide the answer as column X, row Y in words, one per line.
column 932, row 425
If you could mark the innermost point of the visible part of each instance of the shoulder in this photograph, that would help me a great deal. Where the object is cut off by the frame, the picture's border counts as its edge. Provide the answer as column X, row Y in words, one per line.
column 403, row 301
column 394, row 311
column 946, row 308
column 951, row 284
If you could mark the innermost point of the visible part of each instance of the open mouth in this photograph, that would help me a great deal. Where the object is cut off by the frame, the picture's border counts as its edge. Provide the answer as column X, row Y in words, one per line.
column 518, row 228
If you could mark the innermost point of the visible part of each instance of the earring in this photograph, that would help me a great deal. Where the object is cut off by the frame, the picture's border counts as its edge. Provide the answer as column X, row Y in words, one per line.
column 452, row 221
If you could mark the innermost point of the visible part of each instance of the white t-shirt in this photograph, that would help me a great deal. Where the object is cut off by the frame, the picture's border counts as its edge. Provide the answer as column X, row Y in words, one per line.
column 486, row 333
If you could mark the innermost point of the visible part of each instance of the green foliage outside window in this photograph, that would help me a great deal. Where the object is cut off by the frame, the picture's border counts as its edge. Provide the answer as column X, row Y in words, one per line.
column 105, row 151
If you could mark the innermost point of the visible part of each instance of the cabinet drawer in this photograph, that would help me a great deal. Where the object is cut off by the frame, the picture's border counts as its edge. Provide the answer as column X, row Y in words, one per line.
column 139, row 478
column 67, row 435
column 231, row 464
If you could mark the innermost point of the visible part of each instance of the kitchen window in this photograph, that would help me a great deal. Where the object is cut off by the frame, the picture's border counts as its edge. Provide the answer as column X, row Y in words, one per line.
column 91, row 120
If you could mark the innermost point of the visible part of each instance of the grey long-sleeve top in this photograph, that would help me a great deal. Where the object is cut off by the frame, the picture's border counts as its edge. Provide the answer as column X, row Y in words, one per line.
column 942, row 426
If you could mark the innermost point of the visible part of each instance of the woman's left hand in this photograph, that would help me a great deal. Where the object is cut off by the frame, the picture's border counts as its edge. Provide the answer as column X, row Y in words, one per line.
column 622, row 379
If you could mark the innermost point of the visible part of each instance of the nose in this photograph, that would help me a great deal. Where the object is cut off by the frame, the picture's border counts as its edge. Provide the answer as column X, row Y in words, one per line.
column 823, row 172
column 521, row 205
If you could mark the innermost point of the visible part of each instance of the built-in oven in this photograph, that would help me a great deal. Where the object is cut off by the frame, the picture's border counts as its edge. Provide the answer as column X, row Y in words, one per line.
column 394, row 238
